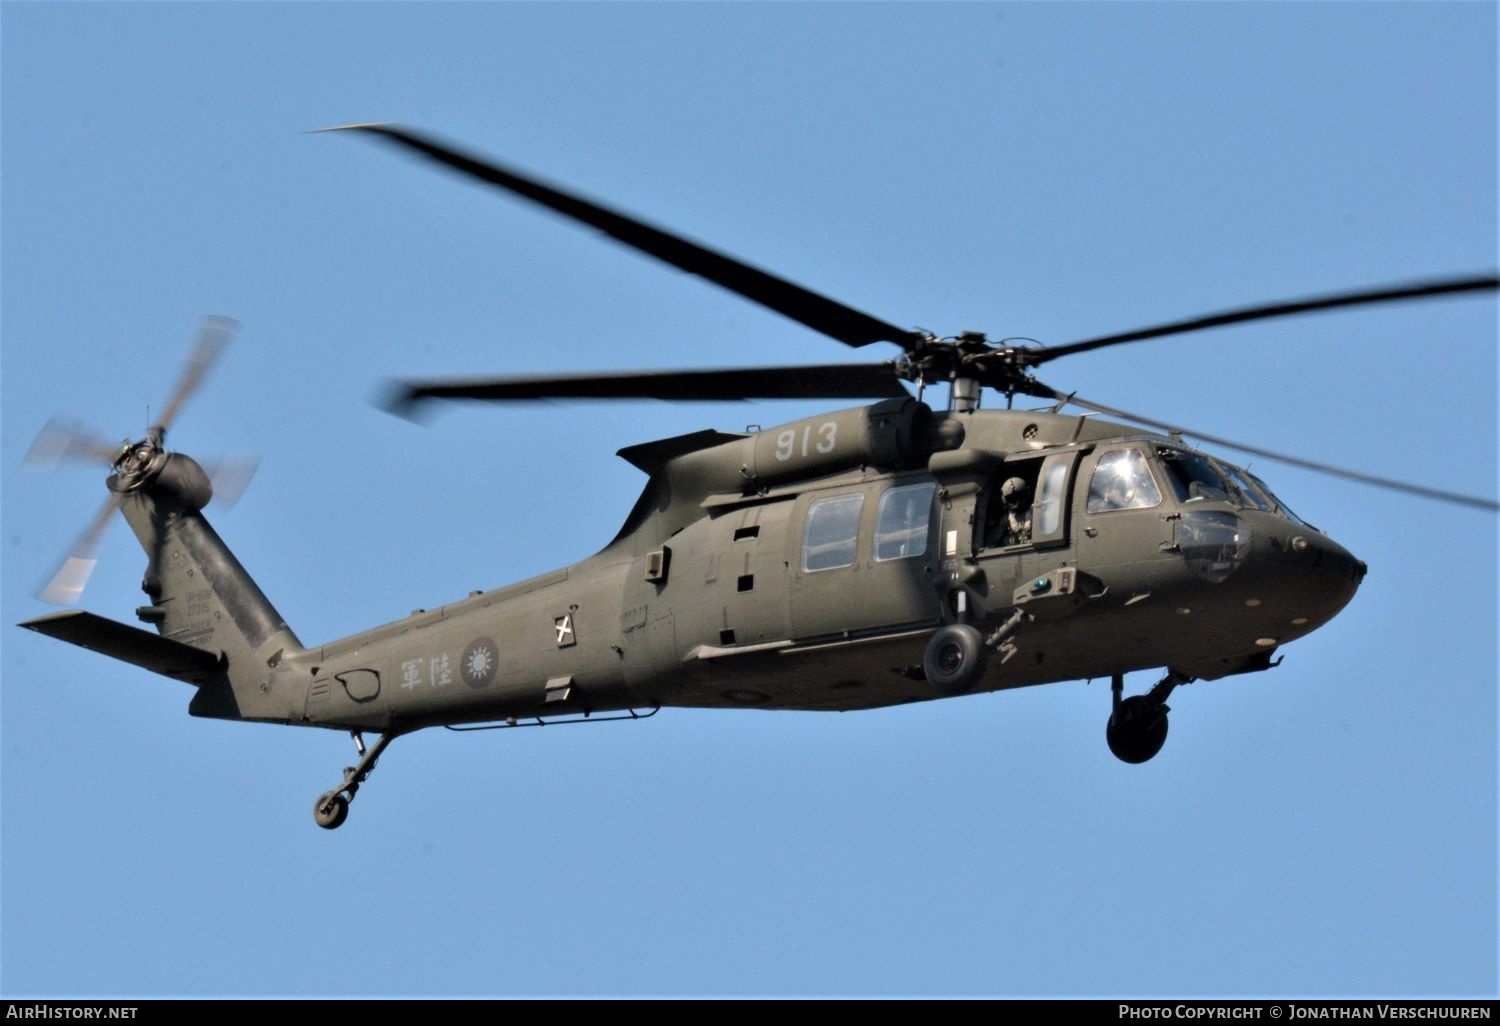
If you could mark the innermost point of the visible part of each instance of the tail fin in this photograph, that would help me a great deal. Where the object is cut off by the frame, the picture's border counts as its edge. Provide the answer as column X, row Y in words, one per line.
column 201, row 596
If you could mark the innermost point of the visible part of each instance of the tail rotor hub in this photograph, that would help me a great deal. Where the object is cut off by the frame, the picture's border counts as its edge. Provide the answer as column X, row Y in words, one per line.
column 137, row 464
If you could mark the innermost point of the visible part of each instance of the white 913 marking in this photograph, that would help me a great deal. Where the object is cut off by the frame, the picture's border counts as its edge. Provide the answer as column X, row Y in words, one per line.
column 786, row 441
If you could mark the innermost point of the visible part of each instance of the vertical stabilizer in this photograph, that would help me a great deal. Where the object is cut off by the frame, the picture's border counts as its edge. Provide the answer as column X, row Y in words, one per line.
column 201, row 596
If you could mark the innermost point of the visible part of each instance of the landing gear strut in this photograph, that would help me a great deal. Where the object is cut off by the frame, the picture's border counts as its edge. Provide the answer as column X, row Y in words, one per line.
column 332, row 807
column 1137, row 725
column 957, row 654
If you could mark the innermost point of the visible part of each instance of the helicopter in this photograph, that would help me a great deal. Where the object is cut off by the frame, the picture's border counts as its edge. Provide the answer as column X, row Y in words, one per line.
column 878, row 555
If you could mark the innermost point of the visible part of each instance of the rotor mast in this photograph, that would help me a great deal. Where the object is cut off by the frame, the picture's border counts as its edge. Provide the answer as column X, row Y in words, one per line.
column 963, row 394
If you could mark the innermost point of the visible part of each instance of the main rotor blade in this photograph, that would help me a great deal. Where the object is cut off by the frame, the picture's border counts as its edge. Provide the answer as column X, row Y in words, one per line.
column 213, row 336
column 59, row 443
column 835, row 381
column 832, row 318
column 1457, row 498
column 68, row 583
column 1364, row 297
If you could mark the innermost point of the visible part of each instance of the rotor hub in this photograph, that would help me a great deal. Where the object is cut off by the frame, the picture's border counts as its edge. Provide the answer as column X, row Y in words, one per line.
column 970, row 362
column 137, row 464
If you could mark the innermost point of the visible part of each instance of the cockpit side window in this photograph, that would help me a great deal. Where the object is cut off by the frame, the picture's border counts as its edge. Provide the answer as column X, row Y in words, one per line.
column 1122, row 480
column 1193, row 476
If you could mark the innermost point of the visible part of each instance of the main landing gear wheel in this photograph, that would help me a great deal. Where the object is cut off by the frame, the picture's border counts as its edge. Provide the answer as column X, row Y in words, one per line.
column 1137, row 729
column 330, row 810
column 955, row 658
column 1137, row 725
column 332, row 807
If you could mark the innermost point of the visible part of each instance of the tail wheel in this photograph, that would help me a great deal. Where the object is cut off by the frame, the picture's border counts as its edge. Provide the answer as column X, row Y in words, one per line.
column 955, row 658
column 330, row 810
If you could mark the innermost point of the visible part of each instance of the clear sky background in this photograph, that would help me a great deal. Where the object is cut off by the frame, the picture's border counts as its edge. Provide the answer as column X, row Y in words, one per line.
column 1054, row 171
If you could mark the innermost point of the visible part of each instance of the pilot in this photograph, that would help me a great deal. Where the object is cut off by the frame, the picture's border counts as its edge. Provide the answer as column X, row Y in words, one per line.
column 1015, row 496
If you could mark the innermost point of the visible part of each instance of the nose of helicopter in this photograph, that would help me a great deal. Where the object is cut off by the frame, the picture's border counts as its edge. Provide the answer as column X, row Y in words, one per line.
column 1300, row 580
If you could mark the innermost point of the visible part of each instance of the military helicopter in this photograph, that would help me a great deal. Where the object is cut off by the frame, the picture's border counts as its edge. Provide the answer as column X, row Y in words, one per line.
column 878, row 555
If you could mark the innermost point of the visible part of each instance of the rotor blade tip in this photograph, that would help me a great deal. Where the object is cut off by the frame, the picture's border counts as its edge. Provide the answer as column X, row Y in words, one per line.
column 356, row 126
column 229, row 477
column 401, row 400
column 67, row 586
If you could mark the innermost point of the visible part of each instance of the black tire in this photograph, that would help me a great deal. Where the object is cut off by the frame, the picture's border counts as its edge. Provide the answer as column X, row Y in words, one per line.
column 955, row 658
column 1137, row 730
column 330, row 810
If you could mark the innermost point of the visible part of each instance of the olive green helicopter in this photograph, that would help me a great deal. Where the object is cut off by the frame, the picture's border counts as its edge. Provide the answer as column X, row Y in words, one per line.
column 878, row 555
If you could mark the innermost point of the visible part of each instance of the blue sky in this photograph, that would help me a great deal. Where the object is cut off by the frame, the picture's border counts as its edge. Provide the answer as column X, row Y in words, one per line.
column 1053, row 171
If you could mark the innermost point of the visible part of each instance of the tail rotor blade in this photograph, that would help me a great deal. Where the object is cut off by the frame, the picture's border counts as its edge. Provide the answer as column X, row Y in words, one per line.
column 59, row 443
column 230, row 476
column 68, row 583
column 213, row 336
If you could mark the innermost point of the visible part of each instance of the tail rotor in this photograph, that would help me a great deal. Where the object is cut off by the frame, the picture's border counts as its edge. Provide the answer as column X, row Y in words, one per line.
column 132, row 464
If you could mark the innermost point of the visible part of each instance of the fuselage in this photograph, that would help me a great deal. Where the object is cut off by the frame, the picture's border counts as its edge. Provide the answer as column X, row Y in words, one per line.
column 805, row 567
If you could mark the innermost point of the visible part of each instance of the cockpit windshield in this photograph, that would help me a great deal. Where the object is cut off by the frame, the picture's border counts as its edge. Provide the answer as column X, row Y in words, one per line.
column 1281, row 507
column 1254, row 495
column 1122, row 480
column 1193, row 476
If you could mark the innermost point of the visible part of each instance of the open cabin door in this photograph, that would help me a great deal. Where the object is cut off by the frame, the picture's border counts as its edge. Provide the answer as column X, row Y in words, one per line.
column 1026, row 503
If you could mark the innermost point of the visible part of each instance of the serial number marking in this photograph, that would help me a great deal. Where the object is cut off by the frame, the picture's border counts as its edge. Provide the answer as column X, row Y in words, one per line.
column 827, row 439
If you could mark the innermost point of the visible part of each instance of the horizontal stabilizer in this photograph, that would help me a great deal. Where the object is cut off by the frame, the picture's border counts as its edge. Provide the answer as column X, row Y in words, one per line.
column 131, row 644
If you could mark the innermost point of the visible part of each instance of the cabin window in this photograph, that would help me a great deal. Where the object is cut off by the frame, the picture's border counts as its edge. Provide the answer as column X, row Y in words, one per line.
column 1122, row 480
column 901, row 522
column 832, row 530
column 1049, row 499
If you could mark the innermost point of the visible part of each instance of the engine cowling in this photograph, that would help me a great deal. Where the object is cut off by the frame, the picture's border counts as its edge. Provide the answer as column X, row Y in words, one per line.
column 892, row 434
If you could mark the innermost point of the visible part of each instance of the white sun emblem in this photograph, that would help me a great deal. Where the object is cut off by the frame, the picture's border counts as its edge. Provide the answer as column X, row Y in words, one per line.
column 480, row 662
